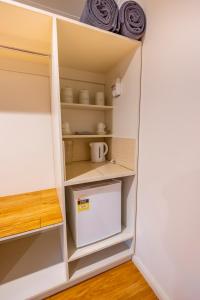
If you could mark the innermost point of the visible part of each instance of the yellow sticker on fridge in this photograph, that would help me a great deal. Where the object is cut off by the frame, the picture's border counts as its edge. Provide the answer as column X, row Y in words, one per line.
column 83, row 204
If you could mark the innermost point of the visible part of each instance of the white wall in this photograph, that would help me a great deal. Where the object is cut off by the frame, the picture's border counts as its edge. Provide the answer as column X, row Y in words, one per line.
column 168, row 222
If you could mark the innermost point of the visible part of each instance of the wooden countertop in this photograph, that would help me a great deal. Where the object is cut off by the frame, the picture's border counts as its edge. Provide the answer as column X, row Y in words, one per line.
column 29, row 211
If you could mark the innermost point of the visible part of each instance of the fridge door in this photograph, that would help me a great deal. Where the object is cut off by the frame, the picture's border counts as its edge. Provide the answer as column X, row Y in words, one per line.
column 98, row 213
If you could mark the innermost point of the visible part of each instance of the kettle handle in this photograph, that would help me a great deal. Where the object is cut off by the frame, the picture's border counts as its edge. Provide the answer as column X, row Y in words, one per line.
column 106, row 149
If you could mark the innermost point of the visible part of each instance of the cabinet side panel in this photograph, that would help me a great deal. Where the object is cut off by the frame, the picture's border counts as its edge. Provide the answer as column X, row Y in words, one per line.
column 56, row 118
column 126, row 107
column 124, row 152
column 57, row 133
column 125, row 127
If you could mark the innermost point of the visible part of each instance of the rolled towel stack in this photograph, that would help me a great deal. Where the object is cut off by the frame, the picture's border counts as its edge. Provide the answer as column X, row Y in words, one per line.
column 132, row 20
column 102, row 14
column 129, row 21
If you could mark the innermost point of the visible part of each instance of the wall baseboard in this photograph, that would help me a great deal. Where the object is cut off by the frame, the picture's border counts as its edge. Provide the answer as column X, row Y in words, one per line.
column 153, row 283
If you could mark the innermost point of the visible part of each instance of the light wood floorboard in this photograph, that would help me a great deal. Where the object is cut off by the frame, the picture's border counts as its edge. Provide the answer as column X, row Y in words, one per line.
column 121, row 283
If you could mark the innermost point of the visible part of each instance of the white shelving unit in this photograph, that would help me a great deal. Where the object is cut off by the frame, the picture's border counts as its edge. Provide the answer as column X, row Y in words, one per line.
column 38, row 50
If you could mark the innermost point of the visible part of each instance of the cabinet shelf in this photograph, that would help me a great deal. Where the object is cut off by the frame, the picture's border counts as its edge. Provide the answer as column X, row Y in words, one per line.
column 76, row 253
column 36, row 282
column 86, row 171
column 35, row 36
column 97, row 262
column 96, row 47
column 85, row 136
column 86, row 106
column 26, row 213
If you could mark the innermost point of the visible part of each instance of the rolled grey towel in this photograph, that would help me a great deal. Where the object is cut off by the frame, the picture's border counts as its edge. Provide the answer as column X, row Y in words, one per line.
column 132, row 20
column 102, row 14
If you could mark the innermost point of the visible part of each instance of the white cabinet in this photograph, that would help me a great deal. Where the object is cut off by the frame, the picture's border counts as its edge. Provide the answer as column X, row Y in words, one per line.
column 39, row 54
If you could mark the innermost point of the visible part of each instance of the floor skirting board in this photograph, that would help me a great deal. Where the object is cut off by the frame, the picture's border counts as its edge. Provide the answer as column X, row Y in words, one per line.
column 153, row 283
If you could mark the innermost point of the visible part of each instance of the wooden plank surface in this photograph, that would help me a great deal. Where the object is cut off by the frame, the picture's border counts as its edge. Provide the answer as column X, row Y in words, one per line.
column 27, row 212
column 121, row 283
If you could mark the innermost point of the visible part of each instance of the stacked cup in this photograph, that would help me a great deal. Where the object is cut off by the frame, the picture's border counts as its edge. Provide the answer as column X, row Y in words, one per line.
column 84, row 97
column 67, row 95
column 100, row 98
column 66, row 128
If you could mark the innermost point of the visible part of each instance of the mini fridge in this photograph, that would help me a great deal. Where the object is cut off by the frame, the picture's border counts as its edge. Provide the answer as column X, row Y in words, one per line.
column 94, row 211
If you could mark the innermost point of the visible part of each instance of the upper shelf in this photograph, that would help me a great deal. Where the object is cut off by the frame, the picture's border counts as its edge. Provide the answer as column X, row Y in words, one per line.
column 97, row 50
column 28, row 212
column 86, row 106
column 85, row 136
column 15, row 60
column 25, row 29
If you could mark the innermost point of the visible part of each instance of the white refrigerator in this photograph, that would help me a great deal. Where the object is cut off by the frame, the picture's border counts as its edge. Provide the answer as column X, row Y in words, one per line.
column 94, row 211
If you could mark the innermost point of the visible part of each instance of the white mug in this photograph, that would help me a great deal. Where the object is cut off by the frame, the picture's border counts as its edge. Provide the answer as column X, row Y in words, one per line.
column 100, row 98
column 101, row 128
column 98, row 152
column 67, row 95
column 66, row 128
column 84, row 97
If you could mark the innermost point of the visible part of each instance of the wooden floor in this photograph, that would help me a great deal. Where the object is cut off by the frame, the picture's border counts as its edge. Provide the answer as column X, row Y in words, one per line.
column 121, row 283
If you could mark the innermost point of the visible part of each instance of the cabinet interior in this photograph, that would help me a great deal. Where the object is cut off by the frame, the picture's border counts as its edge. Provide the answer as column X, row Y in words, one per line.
column 83, row 267
column 26, row 148
column 128, row 209
column 121, row 119
column 30, row 265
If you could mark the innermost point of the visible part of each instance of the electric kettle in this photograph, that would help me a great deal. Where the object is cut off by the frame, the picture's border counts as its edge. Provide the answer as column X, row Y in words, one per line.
column 98, row 152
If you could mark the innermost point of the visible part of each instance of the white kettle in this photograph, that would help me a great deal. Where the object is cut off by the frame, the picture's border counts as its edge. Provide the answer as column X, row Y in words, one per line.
column 98, row 152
